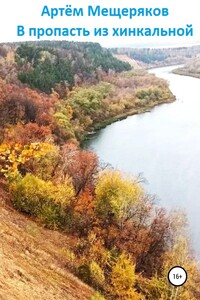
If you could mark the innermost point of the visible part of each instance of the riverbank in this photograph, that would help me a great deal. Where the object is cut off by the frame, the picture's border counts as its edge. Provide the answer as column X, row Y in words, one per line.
column 186, row 72
column 121, row 96
column 136, row 111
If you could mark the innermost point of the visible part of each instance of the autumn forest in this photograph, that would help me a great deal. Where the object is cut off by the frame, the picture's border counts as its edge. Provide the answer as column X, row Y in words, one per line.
column 52, row 96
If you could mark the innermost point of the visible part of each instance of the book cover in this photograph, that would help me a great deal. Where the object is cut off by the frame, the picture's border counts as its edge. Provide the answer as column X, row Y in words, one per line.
column 99, row 150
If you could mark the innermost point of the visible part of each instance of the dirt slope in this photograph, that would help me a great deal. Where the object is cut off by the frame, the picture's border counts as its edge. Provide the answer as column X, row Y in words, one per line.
column 135, row 64
column 31, row 262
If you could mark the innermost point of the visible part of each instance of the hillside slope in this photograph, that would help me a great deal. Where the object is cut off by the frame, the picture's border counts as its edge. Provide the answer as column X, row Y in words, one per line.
column 157, row 57
column 191, row 68
column 134, row 63
column 32, row 265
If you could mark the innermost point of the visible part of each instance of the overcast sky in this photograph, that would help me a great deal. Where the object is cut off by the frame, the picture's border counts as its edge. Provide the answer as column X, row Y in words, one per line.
column 28, row 14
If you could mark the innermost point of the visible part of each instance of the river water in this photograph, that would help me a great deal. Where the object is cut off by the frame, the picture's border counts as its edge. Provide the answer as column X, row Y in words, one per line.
column 164, row 146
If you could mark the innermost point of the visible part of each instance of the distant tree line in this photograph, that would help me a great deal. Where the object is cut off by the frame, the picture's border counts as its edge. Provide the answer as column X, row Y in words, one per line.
column 46, row 65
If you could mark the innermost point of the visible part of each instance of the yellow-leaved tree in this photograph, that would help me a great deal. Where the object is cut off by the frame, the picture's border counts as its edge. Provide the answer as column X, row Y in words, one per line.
column 123, row 280
column 117, row 197
column 13, row 157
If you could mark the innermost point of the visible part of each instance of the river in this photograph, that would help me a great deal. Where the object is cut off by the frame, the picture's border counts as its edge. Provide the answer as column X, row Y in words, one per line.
column 164, row 146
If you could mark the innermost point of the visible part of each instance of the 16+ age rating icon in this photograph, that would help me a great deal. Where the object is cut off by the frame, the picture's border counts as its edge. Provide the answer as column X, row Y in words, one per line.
column 177, row 276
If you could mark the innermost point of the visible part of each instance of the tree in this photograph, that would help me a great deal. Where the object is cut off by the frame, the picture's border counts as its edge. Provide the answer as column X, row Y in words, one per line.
column 158, row 286
column 23, row 105
column 27, row 133
column 123, row 279
column 80, row 165
column 14, row 157
column 157, row 241
column 116, row 197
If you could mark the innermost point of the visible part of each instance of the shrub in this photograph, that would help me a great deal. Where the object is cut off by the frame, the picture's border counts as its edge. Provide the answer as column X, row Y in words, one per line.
column 43, row 199
column 51, row 215
column 70, row 258
column 97, row 274
column 84, row 273
column 97, row 296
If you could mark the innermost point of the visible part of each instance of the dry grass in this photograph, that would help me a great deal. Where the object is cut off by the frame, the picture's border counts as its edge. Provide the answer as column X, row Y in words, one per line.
column 32, row 265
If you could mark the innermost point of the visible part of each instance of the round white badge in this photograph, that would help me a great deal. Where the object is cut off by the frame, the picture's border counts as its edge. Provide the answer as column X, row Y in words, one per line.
column 177, row 276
